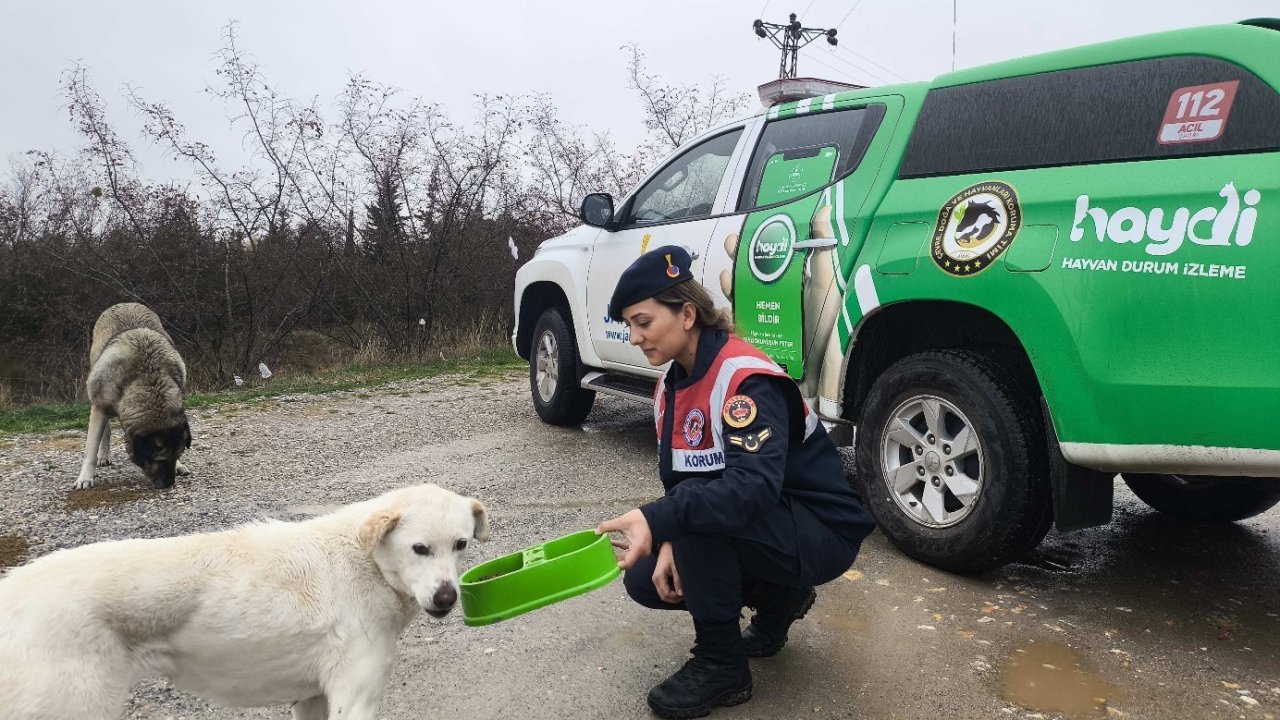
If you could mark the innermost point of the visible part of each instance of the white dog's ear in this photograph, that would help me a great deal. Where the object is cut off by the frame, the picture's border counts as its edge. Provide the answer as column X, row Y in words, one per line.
column 376, row 527
column 482, row 519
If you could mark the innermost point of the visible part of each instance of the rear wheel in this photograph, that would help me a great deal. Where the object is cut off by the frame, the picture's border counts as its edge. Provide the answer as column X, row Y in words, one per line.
column 951, row 458
column 1201, row 497
column 553, row 372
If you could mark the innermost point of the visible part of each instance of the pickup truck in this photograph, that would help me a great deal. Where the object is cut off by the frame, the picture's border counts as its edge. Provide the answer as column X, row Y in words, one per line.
column 1004, row 287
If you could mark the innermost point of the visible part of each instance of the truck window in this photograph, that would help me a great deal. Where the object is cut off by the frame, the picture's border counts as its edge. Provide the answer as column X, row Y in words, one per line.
column 686, row 188
column 1141, row 110
column 848, row 131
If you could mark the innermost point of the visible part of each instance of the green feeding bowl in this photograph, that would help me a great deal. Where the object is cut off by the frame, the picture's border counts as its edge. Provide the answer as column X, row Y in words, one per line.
column 538, row 576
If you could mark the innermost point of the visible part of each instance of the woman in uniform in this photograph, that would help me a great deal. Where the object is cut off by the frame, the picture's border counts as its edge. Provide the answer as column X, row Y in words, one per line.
column 757, row 510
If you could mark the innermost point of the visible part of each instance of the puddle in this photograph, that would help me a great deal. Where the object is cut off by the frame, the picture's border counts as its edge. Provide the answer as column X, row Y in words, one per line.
column 1057, row 562
column 1050, row 677
column 12, row 549
column 842, row 623
column 625, row 638
column 109, row 495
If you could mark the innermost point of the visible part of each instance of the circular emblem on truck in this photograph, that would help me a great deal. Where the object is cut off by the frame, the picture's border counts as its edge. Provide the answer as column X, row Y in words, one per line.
column 771, row 248
column 975, row 227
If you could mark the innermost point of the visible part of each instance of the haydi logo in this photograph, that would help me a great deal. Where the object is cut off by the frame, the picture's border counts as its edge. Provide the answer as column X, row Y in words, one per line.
column 771, row 248
column 1235, row 220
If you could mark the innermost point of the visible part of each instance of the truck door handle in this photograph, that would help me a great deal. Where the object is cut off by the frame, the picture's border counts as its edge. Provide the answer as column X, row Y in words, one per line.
column 814, row 243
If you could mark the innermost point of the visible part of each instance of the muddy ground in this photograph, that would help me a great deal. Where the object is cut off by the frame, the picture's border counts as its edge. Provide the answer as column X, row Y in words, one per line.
column 1149, row 617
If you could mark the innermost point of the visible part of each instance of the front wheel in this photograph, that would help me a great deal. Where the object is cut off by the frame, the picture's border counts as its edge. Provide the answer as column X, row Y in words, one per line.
column 553, row 372
column 952, row 461
column 1202, row 498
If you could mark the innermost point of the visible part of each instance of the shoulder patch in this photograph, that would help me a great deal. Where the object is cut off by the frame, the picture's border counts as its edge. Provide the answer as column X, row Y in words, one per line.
column 751, row 442
column 739, row 411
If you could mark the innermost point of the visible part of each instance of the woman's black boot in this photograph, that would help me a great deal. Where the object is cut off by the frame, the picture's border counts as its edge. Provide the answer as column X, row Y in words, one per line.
column 775, row 611
column 718, row 674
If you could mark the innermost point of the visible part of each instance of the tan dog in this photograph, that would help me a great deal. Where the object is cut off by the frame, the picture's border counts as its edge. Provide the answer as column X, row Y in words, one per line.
column 270, row 613
column 135, row 374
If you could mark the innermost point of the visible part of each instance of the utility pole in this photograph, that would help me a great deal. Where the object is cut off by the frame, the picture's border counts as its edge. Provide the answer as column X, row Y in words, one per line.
column 793, row 37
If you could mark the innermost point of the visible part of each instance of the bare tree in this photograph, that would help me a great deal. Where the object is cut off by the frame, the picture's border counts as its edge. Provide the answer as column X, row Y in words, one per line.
column 256, row 253
column 566, row 163
column 676, row 113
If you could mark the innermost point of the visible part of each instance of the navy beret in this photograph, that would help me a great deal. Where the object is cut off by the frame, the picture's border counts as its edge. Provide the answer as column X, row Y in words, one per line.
column 657, row 270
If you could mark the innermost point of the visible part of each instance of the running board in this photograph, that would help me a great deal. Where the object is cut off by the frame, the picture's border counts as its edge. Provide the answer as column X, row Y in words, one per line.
column 623, row 386
column 641, row 390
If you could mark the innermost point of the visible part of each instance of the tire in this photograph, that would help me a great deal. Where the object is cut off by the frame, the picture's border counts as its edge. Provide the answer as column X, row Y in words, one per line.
column 553, row 372
column 1202, row 498
column 981, row 502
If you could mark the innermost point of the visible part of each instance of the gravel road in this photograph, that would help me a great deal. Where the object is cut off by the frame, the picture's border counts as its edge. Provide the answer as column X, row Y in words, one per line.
column 1145, row 618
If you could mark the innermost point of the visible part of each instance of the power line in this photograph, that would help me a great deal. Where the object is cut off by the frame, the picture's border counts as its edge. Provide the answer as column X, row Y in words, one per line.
column 873, row 62
column 862, row 70
column 766, row 7
column 860, row 81
column 856, row 80
column 846, row 15
column 805, row 14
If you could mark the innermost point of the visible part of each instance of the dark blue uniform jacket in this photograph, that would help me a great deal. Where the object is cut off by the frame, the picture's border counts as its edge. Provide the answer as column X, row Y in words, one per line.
column 805, row 477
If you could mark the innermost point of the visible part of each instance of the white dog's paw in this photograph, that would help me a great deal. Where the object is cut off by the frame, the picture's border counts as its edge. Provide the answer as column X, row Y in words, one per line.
column 182, row 470
column 104, row 461
column 84, row 482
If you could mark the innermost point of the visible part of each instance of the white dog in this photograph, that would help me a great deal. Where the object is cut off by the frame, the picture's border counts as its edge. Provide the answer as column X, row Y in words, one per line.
column 269, row 613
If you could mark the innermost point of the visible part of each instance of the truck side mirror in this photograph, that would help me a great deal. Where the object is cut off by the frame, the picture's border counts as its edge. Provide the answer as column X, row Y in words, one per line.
column 597, row 209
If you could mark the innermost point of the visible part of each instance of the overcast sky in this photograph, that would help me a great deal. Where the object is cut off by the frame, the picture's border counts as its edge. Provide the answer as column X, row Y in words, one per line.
column 447, row 51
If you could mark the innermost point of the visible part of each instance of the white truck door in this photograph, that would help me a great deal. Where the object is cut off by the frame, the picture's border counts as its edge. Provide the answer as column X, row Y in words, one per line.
column 677, row 205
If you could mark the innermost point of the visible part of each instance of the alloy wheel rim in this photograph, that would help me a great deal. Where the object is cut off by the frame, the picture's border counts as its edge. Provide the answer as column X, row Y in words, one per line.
column 932, row 461
column 547, row 367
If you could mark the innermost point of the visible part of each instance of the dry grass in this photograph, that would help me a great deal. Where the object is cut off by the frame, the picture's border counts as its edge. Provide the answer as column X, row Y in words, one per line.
column 448, row 343
column 67, row 442
column 475, row 356
column 304, row 354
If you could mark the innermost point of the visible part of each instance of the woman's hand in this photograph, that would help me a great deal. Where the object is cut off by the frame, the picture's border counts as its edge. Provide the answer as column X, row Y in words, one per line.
column 636, row 538
column 666, row 578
